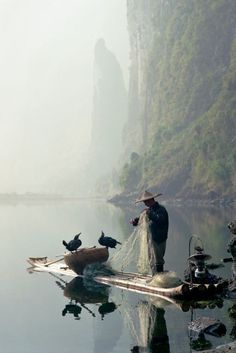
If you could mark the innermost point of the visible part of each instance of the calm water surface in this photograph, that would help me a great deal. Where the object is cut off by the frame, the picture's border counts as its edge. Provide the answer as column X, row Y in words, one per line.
column 37, row 314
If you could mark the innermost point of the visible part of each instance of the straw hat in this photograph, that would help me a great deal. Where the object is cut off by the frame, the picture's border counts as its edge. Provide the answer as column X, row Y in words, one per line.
column 146, row 196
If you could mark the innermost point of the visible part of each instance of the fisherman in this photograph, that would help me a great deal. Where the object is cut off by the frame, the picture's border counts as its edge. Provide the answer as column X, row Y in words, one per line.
column 158, row 225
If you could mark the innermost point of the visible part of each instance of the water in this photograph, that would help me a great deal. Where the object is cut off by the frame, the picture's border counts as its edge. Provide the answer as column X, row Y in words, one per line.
column 35, row 316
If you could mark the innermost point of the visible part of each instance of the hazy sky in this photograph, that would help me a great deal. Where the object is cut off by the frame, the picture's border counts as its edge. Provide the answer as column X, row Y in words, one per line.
column 46, row 85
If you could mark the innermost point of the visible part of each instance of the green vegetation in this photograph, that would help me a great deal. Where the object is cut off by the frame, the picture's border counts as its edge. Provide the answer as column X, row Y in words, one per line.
column 189, row 80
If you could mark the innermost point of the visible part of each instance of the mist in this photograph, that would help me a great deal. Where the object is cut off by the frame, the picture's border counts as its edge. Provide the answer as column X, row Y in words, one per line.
column 46, row 87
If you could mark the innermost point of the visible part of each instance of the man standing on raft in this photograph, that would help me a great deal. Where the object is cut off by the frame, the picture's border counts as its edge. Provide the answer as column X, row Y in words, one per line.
column 158, row 225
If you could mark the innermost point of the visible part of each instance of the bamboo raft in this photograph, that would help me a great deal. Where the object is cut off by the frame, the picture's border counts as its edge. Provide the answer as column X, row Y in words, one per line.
column 138, row 283
column 130, row 281
column 73, row 264
column 43, row 264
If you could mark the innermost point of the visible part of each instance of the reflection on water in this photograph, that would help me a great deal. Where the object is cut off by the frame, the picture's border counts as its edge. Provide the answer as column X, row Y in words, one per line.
column 100, row 320
column 80, row 296
column 153, row 337
column 145, row 320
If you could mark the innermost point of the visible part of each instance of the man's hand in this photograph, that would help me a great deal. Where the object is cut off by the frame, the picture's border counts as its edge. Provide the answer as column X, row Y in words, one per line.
column 134, row 221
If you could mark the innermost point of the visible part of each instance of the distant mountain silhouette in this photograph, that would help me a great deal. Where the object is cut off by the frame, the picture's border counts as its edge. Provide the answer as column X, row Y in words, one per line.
column 109, row 113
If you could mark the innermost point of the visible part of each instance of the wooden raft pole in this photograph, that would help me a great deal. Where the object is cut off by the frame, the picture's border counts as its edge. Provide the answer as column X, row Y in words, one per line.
column 182, row 291
column 211, row 290
column 141, row 283
column 53, row 262
column 221, row 286
column 200, row 291
column 206, row 290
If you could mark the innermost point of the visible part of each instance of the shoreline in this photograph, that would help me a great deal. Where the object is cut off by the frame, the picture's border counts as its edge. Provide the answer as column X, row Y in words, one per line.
column 121, row 200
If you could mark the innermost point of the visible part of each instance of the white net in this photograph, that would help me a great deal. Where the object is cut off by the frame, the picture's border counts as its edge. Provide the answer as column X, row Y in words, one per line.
column 140, row 315
column 165, row 280
column 136, row 254
column 140, row 322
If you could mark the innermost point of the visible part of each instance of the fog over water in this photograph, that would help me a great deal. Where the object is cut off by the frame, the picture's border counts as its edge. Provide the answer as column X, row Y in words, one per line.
column 46, row 87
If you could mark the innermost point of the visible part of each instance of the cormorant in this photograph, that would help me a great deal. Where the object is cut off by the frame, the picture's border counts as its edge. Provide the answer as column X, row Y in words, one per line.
column 74, row 244
column 108, row 242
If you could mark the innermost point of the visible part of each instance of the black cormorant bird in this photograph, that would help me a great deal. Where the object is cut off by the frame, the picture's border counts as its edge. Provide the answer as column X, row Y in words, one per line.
column 74, row 244
column 106, row 308
column 108, row 242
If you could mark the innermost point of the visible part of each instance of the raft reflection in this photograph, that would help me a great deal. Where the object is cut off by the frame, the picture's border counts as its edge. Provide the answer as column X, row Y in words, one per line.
column 144, row 317
column 84, row 292
column 149, row 328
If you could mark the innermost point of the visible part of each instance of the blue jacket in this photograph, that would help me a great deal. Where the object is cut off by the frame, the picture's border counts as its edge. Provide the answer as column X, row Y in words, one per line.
column 158, row 222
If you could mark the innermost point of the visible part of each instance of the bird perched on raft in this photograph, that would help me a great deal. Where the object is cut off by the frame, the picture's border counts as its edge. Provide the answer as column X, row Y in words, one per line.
column 108, row 242
column 73, row 244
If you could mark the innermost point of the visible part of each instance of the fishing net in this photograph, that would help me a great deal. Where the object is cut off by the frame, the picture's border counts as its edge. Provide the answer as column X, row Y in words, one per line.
column 165, row 280
column 136, row 254
column 141, row 322
column 140, row 317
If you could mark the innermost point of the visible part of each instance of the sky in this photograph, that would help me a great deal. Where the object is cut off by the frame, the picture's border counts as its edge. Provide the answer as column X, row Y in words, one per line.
column 46, row 87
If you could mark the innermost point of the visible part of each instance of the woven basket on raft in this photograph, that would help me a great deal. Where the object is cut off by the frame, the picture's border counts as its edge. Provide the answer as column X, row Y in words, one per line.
column 78, row 260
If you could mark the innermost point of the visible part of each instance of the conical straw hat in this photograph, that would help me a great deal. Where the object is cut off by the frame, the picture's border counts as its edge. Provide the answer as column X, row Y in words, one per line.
column 146, row 195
